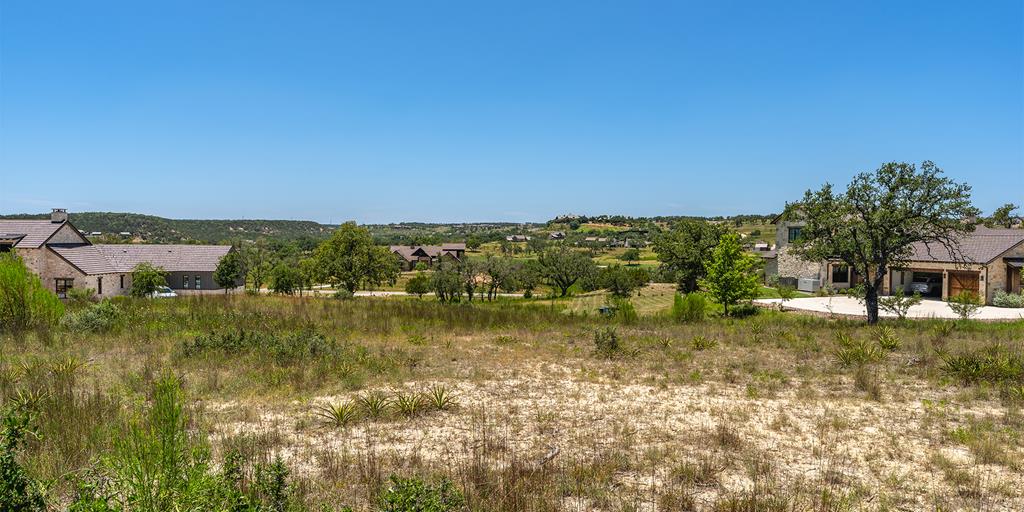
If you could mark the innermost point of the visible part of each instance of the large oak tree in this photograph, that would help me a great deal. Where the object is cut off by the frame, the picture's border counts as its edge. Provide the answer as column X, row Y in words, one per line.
column 351, row 259
column 872, row 225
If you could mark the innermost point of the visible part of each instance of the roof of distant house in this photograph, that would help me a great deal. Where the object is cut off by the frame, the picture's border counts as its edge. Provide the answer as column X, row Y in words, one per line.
column 32, row 234
column 110, row 258
column 413, row 252
column 981, row 246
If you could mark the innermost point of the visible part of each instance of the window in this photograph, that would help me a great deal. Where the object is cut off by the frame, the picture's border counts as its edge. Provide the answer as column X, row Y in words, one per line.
column 794, row 234
column 199, row 282
column 122, row 281
column 184, row 281
column 840, row 274
column 62, row 285
column 6, row 247
column 99, row 285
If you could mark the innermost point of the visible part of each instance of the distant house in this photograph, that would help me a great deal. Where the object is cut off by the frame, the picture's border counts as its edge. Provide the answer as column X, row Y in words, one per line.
column 517, row 238
column 429, row 255
column 63, row 258
column 557, row 235
column 989, row 260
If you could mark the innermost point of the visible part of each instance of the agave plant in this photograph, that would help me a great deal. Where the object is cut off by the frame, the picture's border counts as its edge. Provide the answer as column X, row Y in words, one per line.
column 338, row 415
column 374, row 404
column 409, row 404
column 442, row 398
column 887, row 338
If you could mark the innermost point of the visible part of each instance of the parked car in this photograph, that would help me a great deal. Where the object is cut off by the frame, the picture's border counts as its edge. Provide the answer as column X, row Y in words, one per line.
column 163, row 292
column 926, row 285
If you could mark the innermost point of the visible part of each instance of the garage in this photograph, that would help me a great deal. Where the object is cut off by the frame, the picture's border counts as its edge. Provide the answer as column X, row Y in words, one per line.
column 928, row 284
column 963, row 282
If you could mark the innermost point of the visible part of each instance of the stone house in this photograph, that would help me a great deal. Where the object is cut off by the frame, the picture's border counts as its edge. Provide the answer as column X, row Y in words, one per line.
column 63, row 258
column 410, row 255
column 988, row 260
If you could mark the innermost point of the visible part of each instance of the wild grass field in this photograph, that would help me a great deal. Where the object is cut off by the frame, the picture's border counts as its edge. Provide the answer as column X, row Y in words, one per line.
column 510, row 406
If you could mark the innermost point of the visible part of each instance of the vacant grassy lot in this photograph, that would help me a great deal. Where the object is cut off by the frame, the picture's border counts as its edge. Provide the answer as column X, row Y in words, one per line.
column 526, row 408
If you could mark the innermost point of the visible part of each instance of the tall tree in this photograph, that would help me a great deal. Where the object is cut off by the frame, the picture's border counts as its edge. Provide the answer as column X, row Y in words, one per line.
column 684, row 249
column 872, row 225
column 1003, row 217
column 257, row 258
column 350, row 259
column 561, row 267
column 731, row 272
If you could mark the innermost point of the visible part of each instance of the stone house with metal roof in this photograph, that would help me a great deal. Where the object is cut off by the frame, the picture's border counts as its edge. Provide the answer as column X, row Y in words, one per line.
column 63, row 258
column 410, row 255
column 987, row 260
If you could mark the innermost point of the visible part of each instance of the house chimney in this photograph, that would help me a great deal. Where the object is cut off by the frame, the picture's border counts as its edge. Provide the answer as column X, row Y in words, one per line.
column 59, row 215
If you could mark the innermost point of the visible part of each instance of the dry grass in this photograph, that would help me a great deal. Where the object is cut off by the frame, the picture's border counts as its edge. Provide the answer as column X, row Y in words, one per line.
column 516, row 406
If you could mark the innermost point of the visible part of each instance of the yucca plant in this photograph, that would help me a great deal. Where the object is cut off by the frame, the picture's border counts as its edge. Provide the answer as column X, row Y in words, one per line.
column 374, row 404
column 442, row 398
column 703, row 343
column 409, row 404
column 887, row 338
column 338, row 415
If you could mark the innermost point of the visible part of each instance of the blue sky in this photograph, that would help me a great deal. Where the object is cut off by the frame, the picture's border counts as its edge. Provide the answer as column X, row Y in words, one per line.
column 463, row 111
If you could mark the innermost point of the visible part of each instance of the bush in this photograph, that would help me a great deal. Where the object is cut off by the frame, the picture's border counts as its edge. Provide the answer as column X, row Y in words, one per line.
column 79, row 296
column 96, row 318
column 286, row 348
column 24, row 302
column 744, row 309
column 992, row 364
column 606, row 341
column 690, row 307
column 343, row 294
column 146, row 279
column 965, row 304
column 17, row 490
column 898, row 303
column 415, row 495
column 854, row 352
column 418, row 285
column 623, row 310
column 1008, row 300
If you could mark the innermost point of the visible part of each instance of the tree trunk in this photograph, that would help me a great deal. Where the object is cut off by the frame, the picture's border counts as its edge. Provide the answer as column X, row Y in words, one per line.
column 871, row 303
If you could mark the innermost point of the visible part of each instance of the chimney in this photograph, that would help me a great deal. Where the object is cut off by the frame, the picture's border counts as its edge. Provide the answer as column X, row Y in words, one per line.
column 59, row 215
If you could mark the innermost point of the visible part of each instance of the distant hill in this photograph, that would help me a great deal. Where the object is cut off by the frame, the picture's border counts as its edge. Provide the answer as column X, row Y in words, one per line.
column 154, row 229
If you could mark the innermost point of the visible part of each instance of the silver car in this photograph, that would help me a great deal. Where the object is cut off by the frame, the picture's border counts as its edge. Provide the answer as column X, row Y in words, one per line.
column 163, row 292
column 926, row 285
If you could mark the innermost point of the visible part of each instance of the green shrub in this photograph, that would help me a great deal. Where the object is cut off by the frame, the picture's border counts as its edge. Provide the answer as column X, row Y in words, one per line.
column 1008, row 300
column 24, row 302
column 415, row 495
column 624, row 310
column 898, row 303
column 17, row 490
column 854, row 352
column 691, row 307
column 79, row 296
column 965, row 304
column 992, row 364
column 744, row 310
column 343, row 294
column 606, row 341
column 418, row 285
column 887, row 338
column 703, row 343
column 146, row 278
column 96, row 318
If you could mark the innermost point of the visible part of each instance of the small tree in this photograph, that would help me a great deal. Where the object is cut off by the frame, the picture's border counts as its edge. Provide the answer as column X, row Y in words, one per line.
column 562, row 267
column 731, row 273
column 684, row 249
column 24, row 302
column 229, row 271
column 630, row 255
column 619, row 281
column 146, row 278
column 418, row 285
column 1003, row 217
column 286, row 278
column 965, row 304
column 351, row 259
column 899, row 303
column 446, row 282
column 872, row 226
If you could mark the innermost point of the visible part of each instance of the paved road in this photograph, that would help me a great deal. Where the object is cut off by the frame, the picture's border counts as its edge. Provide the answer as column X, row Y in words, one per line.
column 847, row 306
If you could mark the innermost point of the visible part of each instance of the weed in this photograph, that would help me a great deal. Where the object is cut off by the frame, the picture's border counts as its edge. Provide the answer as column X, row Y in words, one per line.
column 410, row 404
column 374, row 405
column 606, row 341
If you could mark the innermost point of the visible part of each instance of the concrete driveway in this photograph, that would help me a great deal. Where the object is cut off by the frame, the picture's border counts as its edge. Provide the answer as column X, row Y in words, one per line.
column 845, row 306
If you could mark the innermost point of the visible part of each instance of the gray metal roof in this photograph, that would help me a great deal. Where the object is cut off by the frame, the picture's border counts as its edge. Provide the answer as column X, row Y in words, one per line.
column 34, row 232
column 111, row 258
column 981, row 246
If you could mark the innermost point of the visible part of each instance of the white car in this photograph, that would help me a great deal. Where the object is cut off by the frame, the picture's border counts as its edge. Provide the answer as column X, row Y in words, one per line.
column 163, row 292
column 925, row 285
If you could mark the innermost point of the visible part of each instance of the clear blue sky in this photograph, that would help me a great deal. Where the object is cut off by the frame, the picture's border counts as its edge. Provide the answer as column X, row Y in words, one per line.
column 462, row 111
